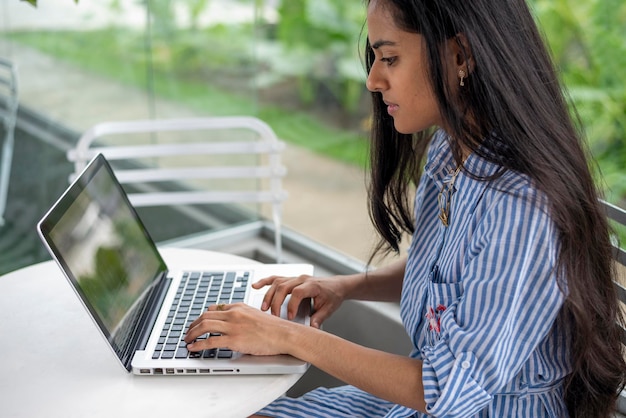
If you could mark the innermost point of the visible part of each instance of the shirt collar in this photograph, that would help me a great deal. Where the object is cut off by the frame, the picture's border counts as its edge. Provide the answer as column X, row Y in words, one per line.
column 440, row 164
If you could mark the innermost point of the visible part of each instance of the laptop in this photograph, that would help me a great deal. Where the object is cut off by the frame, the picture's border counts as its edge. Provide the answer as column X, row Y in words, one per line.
column 141, row 307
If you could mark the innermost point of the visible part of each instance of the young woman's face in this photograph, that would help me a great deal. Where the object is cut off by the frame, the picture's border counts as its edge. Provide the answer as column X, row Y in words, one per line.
column 399, row 73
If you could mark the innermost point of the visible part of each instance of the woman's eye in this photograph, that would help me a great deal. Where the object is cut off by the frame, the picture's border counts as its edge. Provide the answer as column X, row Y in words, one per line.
column 388, row 60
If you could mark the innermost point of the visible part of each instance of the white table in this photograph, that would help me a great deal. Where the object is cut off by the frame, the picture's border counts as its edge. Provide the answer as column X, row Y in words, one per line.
column 55, row 363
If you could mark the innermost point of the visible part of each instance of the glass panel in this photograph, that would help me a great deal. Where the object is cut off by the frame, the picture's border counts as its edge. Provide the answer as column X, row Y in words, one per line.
column 293, row 64
column 81, row 64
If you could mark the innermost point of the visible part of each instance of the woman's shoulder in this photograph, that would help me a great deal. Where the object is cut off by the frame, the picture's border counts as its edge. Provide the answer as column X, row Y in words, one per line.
column 496, row 180
column 503, row 184
column 514, row 192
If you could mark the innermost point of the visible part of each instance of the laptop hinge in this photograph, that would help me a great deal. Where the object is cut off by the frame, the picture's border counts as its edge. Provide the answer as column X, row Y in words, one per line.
column 153, row 308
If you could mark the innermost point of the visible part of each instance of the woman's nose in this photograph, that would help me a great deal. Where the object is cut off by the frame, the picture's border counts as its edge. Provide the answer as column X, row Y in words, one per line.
column 373, row 82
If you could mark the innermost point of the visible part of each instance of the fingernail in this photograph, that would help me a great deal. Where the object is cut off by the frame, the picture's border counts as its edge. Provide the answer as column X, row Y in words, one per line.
column 264, row 306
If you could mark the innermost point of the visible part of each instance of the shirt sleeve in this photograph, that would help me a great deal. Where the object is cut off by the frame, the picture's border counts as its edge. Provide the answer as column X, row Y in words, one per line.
column 509, row 302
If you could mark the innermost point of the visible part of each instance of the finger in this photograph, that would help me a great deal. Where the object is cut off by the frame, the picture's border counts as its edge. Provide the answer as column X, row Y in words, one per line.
column 214, row 341
column 219, row 307
column 207, row 323
column 281, row 291
column 270, row 295
column 298, row 295
column 204, row 326
column 213, row 309
column 318, row 317
column 267, row 281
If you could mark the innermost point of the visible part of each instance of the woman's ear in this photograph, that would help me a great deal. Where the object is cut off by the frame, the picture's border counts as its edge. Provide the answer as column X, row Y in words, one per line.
column 460, row 61
column 462, row 56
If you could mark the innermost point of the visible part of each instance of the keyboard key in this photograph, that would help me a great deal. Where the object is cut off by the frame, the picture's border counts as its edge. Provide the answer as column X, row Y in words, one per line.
column 182, row 352
column 224, row 353
column 209, row 353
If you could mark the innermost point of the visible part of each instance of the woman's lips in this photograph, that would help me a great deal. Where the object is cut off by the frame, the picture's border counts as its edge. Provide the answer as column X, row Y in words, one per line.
column 391, row 107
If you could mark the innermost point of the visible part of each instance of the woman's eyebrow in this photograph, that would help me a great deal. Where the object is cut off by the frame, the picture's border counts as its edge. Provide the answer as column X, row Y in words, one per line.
column 381, row 42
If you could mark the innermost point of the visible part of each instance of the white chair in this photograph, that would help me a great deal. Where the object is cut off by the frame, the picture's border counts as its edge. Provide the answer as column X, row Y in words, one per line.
column 224, row 138
column 8, row 116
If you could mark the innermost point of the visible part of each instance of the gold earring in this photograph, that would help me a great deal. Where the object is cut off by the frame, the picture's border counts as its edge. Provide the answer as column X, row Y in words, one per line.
column 462, row 75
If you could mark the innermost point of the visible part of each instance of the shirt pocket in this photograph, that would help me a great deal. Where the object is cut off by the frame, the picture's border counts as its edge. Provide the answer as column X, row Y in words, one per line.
column 440, row 297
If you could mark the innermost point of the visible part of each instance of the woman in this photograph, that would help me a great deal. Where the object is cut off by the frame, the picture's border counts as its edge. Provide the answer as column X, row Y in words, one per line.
column 507, row 290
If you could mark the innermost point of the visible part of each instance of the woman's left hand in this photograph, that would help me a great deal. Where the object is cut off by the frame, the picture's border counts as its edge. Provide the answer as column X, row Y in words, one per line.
column 242, row 328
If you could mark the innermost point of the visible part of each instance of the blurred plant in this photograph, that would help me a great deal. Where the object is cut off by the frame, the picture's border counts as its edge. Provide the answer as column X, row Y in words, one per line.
column 185, row 47
column 588, row 42
column 165, row 19
column 311, row 42
column 34, row 2
column 316, row 43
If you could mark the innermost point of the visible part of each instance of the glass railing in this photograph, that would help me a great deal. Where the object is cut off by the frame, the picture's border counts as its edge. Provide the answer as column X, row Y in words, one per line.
column 86, row 62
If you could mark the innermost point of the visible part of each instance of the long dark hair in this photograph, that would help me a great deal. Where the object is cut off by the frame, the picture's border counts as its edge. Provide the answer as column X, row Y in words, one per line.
column 519, row 120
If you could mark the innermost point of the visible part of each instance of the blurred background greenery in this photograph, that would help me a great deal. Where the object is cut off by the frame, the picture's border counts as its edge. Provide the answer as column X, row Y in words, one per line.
column 301, row 58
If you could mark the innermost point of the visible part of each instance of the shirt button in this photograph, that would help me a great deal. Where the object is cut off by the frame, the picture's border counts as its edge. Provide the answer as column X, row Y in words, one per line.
column 465, row 364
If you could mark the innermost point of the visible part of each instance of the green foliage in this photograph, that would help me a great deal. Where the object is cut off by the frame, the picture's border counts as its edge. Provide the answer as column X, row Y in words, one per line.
column 34, row 2
column 316, row 43
column 194, row 76
column 588, row 42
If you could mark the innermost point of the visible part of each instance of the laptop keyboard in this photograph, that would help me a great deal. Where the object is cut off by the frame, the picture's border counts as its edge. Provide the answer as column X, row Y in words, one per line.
column 198, row 291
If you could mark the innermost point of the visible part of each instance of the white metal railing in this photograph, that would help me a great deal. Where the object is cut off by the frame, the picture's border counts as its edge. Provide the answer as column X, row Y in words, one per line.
column 265, row 144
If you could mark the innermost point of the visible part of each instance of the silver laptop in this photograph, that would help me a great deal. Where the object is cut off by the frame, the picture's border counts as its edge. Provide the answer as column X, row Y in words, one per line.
column 142, row 308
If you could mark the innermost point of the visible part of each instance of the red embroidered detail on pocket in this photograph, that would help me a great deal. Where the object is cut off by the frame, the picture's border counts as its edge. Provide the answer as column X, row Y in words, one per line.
column 434, row 318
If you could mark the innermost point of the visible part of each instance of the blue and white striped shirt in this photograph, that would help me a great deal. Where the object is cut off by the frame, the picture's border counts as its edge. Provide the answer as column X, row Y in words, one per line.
column 480, row 301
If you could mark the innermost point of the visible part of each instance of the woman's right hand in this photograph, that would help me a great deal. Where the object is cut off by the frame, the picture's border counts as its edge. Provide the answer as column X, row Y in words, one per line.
column 327, row 294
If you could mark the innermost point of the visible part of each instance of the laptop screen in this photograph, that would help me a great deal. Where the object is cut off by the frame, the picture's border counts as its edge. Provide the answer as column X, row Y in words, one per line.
column 106, row 252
